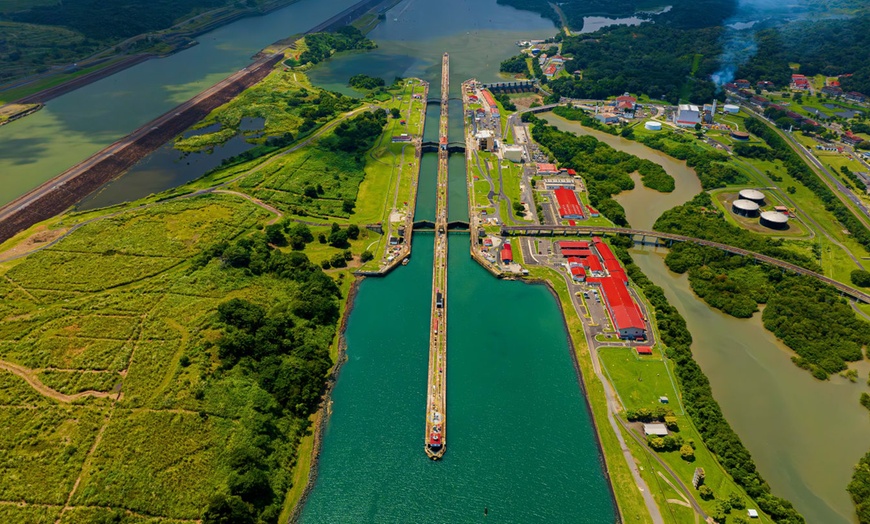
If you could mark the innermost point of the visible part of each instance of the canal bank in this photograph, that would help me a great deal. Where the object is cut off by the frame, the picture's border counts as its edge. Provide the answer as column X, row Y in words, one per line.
column 76, row 125
column 643, row 206
column 804, row 435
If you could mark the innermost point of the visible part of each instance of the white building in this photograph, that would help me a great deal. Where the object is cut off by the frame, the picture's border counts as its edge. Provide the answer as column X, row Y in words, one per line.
column 513, row 153
column 687, row 115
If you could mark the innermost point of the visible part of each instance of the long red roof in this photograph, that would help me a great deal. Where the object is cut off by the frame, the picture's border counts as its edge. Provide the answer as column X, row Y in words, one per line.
column 605, row 252
column 573, row 244
column 624, row 311
column 568, row 204
column 576, row 252
column 507, row 253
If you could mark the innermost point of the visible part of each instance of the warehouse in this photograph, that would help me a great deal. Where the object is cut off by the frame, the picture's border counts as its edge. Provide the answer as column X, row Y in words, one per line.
column 558, row 183
column 578, row 274
column 625, row 314
column 687, row 115
column 574, row 244
column 745, row 208
column 569, row 206
column 507, row 254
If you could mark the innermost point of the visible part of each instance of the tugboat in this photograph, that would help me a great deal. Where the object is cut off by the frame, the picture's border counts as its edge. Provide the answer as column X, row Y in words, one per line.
column 435, row 441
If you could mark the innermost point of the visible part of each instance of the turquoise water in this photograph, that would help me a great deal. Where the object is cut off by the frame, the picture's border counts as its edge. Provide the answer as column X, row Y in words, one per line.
column 521, row 442
column 521, row 445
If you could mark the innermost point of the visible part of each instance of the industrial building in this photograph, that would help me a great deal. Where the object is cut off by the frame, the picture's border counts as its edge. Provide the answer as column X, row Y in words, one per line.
column 507, row 254
column 559, row 182
column 602, row 268
column 485, row 140
column 490, row 102
column 774, row 220
column 569, row 206
column 752, row 195
column 687, row 115
column 547, row 169
column 513, row 153
column 745, row 208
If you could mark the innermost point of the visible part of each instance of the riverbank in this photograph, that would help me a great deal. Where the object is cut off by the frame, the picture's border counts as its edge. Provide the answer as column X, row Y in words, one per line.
column 44, row 87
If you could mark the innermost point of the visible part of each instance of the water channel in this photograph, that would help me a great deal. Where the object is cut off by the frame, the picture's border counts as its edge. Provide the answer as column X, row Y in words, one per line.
column 522, row 444
column 74, row 126
column 805, row 435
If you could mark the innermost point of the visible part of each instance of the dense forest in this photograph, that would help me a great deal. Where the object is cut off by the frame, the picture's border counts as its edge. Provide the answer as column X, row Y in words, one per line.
column 683, row 13
column 859, row 489
column 698, row 397
column 807, row 315
column 281, row 349
column 322, row 45
column 827, row 47
column 606, row 170
column 102, row 20
column 652, row 59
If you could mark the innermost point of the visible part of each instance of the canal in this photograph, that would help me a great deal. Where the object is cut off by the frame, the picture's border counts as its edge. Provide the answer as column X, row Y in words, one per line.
column 522, row 444
column 805, row 435
column 76, row 125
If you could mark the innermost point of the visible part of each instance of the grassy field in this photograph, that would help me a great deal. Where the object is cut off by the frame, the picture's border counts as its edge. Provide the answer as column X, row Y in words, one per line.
column 123, row 410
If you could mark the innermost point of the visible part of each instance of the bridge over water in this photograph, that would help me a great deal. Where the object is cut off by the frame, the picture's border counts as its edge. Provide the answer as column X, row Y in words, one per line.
column 535, row 230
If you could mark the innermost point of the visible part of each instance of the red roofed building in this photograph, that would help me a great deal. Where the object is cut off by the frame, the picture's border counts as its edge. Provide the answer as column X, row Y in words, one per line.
column 593, row 265
column 574, row 262
column 743, row 84
column 855, row 96
column 605, row 252
column 643, row 350
column 575, row 252
column 593, row 212
column 569, row 206
column 507, row 254
column 578, row 274
column 623, row 311
column 852, row 139
column 550, row 70
column 577, row 244
column 800, row 82
column 547, row 169
column 626, row 102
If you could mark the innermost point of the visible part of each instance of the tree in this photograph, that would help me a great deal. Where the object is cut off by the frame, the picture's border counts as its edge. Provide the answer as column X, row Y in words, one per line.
column 228, row 509
column 321, row 238
column 366, row 256
column 687, row 453
column 338, row 260
column 338, row 238
column 275, row 235
column 325, row 264
column 395, row 113
column 353, row 231
column 860, row 277
column 347, row 205
column 347, row 255
column 705, row 492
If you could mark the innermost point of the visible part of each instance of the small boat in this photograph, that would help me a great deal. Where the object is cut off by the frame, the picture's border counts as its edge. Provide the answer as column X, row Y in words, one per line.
column 405, row 262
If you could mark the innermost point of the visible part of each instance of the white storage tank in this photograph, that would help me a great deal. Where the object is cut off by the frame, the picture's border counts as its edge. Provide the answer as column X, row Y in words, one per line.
column 731, row 108
column 753, row 195
column 652, row 125
column 774, row 220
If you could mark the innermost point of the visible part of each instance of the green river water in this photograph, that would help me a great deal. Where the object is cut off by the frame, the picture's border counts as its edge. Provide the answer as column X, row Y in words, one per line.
column 521, row 440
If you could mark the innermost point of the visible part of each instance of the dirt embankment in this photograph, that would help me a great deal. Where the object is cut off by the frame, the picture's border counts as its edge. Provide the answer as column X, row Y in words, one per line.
column 77, row 182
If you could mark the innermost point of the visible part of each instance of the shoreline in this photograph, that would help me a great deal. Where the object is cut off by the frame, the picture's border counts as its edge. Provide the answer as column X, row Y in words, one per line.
column 324, row 413
column 122, row 61
column 581, row 380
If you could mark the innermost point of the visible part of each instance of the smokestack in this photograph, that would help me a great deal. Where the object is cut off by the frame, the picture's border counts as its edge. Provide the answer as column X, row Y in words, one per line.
column 714, row 106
